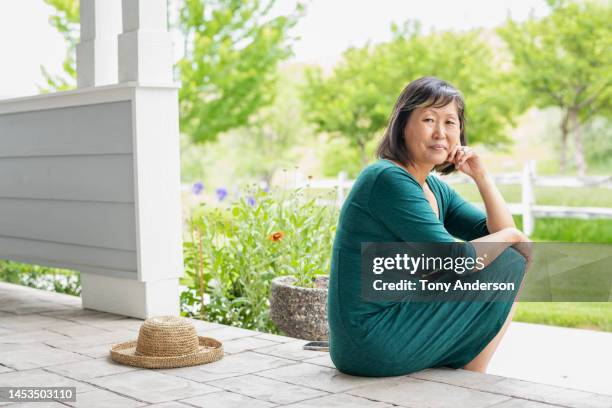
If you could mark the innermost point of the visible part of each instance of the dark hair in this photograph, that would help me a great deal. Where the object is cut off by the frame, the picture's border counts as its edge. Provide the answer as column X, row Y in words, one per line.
column 421, row 93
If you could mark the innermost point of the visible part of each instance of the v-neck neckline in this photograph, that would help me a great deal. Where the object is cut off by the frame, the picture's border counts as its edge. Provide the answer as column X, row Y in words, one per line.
column 439, row 215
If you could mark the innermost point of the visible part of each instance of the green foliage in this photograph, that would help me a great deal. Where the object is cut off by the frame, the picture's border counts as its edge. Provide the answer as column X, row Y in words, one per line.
column 563, row 60
column 356, row 100
column 229, row 69
column 598, row 143
column 338, row 155
column 66, row 21
column 233, row 49
column 41, row 277
column 234, row 253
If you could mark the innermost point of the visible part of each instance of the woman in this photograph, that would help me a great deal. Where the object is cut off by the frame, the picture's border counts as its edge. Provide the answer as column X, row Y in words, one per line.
column 396, row 199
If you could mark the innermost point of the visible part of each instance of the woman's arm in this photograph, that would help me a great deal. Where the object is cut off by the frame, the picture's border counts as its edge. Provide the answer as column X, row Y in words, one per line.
column 491, row 246
column 498, row 215
column 468, row 161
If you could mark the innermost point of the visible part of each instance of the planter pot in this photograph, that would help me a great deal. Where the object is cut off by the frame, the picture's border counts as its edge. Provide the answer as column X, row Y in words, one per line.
column 300, row 312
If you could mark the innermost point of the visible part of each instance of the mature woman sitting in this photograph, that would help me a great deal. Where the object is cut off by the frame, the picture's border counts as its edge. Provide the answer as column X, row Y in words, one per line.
column 396, row 199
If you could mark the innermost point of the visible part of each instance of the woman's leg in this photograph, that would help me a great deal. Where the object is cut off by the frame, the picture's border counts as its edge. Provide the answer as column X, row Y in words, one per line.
column 481, row 361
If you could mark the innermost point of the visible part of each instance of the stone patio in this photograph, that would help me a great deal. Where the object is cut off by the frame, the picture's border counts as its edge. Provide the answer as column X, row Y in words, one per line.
column 46, row 339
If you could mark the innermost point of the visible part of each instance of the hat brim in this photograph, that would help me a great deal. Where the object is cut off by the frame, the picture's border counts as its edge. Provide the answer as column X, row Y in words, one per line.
column 209, row 350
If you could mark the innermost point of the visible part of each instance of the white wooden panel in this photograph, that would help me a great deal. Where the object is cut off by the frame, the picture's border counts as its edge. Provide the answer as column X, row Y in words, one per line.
column 104, row 225
column 157, row 170
column 92, row 129
column 77, row 257
column 107, row 178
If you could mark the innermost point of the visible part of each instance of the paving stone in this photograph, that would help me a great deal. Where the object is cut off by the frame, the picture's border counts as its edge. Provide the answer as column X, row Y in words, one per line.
column 202, row 326
column 229, row 366
column 244, row 344
column 39, row 377
column 267, row 389
column 118, row 324
column 339, row 401
column 28, row 322
column 85, row 370
column 98, row 317
column 463, row 378
column 75, row 330
column 229, row 333
column 5, row 331
column 99, row 351
column 291, row 350
column 415, row 393
column 521, row 403
column 152, row 386
column 104, row 399
column 226, row 399
column 324, row 360
column 171, row 404
column 108, row 338
column 42, row 404
column 38, row 355
column 36, row 336
column 275, row 337
column 318, row 377
column 4, row 369
column 548, row 394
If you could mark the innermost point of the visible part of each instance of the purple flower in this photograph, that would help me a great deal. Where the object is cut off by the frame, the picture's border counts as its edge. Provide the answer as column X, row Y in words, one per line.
column 251, row 201
column 221, row 193
column 197, row 187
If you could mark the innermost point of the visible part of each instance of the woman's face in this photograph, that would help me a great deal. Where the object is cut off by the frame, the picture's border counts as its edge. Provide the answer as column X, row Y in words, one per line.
column 431, row 133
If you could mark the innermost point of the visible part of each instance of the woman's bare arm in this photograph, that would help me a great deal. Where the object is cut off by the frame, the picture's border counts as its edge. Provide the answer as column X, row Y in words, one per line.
column 491, row 246
column 498, row 214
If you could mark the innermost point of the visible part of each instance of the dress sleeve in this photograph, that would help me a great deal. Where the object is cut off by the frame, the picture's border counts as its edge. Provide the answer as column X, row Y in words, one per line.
column 463, row 219
column 399, row 203
column 397, row 200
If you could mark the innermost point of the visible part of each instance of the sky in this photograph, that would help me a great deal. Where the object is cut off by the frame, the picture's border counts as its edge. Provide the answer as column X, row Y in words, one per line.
column 27, row 41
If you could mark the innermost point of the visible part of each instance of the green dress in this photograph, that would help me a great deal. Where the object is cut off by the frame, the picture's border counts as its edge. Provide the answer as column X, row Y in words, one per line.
column 386, row 204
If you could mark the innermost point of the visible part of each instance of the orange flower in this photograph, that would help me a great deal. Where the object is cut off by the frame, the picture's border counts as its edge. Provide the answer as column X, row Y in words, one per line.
column 277, row 236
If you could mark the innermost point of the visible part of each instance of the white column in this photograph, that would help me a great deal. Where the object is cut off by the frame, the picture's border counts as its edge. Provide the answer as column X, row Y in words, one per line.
column 145, row 46
column 96, row 53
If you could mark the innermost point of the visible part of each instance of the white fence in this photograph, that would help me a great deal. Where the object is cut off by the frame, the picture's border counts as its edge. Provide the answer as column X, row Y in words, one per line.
column 528, row 180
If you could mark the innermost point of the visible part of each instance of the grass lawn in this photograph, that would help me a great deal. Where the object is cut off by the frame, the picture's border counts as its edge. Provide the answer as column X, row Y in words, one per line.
column 582, row 315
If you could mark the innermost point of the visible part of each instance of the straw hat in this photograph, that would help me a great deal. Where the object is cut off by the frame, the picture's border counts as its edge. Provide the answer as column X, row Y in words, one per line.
column 167, row 342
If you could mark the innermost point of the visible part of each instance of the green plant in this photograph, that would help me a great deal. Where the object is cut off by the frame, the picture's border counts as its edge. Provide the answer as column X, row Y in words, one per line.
column 41, row 277
column 235, row 252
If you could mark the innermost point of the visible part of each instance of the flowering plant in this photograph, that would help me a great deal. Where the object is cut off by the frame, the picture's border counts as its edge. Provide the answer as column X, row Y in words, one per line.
column 235, row 252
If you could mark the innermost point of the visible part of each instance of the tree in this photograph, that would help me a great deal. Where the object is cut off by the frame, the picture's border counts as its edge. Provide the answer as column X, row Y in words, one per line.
column 66, row 21
column 355, row 101
column 563, row 60
column 229, row 70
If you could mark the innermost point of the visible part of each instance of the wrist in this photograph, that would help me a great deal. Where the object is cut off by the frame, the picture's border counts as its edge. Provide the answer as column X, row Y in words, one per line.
column 481, row 177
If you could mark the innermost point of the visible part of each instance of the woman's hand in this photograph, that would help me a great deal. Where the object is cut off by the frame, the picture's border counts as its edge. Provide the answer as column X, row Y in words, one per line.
column 466, row 161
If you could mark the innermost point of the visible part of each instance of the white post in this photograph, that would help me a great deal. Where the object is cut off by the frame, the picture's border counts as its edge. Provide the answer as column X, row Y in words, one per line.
column 145, row 57
column 341, row 182
column 145, row 46
column 528, row 197
column 96, row 53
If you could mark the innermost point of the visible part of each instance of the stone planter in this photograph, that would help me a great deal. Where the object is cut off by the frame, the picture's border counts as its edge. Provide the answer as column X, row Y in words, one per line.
column 300, row 312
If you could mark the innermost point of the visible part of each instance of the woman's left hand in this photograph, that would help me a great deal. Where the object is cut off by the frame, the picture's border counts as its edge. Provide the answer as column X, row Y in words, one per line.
column 466, row 161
